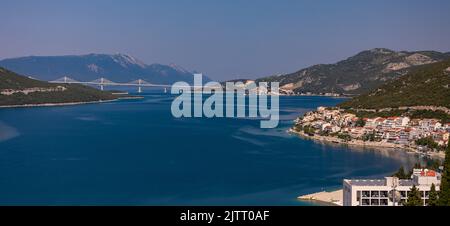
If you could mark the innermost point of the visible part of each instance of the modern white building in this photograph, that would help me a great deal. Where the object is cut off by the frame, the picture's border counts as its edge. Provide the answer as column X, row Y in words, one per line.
column 389, row 191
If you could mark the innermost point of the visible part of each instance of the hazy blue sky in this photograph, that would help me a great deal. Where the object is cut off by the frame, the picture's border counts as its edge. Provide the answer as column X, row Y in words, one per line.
column 227, row 38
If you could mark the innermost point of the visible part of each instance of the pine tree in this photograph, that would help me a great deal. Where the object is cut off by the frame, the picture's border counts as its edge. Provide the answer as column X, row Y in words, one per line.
column 444, row 194
column 414, row 198
column 433, row 196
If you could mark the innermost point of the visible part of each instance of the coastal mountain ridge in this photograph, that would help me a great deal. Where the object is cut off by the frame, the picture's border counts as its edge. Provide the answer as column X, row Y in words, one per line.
column 426, row 85
column 18, row 90
column 115, row 67
column 357, row 74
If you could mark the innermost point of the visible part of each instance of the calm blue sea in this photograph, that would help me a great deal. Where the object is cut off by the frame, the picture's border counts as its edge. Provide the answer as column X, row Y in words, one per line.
column 133, row 152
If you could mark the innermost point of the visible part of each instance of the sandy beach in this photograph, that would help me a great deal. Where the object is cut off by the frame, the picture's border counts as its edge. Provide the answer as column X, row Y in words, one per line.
column 333, row 198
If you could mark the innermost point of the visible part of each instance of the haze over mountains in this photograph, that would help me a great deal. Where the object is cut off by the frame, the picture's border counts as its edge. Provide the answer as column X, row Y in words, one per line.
column 357, row 74
column 116, row 67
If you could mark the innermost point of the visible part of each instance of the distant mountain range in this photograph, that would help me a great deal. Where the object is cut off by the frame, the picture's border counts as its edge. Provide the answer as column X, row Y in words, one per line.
column 116, row 67
column 426, row 85
column 357, row 74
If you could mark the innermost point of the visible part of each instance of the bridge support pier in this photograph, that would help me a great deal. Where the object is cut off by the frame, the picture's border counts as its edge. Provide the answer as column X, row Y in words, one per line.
column 139, row 89
column 101, row 87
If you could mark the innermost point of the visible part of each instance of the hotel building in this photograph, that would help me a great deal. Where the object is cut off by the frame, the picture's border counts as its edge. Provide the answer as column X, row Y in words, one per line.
column 389, row 191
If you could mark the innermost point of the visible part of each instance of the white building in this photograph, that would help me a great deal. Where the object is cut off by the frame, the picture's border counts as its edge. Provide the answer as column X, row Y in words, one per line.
column 401, row 121
column 384, row 192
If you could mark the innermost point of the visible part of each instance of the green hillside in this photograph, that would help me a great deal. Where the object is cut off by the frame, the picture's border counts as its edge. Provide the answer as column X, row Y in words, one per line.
column 72, row 92
column 426, row 85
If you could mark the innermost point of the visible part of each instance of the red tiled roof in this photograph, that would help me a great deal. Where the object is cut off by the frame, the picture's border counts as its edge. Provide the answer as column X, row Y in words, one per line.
column 429, row 173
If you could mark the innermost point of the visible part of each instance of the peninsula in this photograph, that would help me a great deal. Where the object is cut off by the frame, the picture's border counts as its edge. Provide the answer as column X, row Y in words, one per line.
column 21, row 91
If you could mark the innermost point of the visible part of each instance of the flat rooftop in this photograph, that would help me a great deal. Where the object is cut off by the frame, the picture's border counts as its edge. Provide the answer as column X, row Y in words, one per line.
column 378, row 182
column 367, row 182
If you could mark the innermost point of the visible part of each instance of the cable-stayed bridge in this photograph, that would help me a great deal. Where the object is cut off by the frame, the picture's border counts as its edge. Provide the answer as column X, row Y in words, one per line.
column 140, row 83
column 102, row 82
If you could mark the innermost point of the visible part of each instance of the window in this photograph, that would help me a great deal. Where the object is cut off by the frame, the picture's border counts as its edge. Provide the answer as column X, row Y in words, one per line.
column 384, row 202
column 375, row 194
column 366, row 194
column 358, row 196
column 403, row 194
column 365, row 202
column 374, row 202
column 383, row 194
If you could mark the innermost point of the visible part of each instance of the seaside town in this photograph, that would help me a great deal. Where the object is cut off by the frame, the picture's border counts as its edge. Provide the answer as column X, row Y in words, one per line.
column 336, row 125
column 425, row 136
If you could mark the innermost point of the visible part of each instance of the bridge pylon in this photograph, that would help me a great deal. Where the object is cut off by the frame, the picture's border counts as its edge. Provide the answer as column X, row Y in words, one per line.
column 139, row 87
column 102, row 82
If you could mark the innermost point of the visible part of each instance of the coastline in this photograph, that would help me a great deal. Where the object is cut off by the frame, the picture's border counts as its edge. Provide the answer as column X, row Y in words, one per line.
column 130, row 98
column 335, row 197
column 71, row 103
column 369, row 144
column 343, row 96
column 59, row 104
